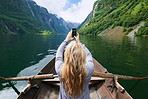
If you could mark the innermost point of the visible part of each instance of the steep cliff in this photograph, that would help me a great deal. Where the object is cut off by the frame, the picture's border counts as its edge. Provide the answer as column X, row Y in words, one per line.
column 50, row 21
column 112, row 13
column 25, row 16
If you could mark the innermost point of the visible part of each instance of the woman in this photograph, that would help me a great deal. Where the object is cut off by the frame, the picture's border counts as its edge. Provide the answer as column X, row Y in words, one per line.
column 74, row 69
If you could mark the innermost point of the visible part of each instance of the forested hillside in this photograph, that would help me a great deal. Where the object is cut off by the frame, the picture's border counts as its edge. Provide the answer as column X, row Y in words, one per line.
column 112, row 13
column 25, row 16
column 14, row 19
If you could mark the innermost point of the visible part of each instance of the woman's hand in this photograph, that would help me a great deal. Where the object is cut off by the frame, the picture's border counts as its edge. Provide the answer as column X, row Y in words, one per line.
column 68, row 38
column 77, row 38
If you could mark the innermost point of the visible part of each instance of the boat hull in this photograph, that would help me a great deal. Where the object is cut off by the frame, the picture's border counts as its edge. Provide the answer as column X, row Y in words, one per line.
column 101, row 89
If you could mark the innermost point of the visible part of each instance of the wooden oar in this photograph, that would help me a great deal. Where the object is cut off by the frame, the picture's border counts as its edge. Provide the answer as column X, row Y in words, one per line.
column 116, row 77
column 109, row 75
column 95, row 74
column 45, row 76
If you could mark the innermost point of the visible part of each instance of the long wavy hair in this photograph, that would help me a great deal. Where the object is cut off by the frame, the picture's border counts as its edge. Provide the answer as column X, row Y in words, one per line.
column 73, row 72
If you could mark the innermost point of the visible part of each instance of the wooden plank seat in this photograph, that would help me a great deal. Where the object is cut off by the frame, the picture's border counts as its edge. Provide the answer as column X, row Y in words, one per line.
column 56, row 80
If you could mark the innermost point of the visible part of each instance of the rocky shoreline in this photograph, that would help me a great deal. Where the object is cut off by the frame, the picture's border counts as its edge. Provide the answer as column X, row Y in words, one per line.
column 118, row 31
column 135, row 29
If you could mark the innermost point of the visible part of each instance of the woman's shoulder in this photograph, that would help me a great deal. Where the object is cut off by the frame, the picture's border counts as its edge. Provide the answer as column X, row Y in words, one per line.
column 89, row 70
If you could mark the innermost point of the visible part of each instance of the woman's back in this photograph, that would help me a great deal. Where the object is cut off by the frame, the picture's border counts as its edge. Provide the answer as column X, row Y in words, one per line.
column 74, row 70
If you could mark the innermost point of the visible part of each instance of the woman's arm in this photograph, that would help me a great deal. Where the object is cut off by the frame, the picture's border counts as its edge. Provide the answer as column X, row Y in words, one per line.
column 59, row 55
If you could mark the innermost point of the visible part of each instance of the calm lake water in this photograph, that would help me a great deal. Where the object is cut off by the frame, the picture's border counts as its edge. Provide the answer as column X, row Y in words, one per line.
column 26, row 55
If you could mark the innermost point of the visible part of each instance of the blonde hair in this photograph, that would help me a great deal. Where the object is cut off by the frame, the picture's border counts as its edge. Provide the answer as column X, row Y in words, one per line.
column 73, row 72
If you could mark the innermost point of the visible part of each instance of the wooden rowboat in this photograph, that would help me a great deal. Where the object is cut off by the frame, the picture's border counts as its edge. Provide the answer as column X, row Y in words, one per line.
column 49, row 89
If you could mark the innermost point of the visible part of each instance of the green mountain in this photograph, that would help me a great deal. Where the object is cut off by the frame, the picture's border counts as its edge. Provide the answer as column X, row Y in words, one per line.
column 25, row 16
column 112, row 13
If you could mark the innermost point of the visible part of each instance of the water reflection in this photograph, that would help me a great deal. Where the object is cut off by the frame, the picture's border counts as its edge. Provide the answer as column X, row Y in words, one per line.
column 24, row 56
column 122, row 55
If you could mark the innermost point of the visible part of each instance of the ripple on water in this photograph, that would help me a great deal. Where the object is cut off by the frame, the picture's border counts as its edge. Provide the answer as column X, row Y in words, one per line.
column 40, row 54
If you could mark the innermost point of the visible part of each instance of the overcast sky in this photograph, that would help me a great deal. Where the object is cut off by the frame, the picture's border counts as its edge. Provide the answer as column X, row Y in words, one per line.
column 69, row 10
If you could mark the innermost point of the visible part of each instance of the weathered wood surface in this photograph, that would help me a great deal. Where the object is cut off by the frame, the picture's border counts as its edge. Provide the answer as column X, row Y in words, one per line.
column 106, row 91
column 110, row 75
column 98, row 75
column 56, row 80
column 37, row 77
column 31, row 92
column 99, row 90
